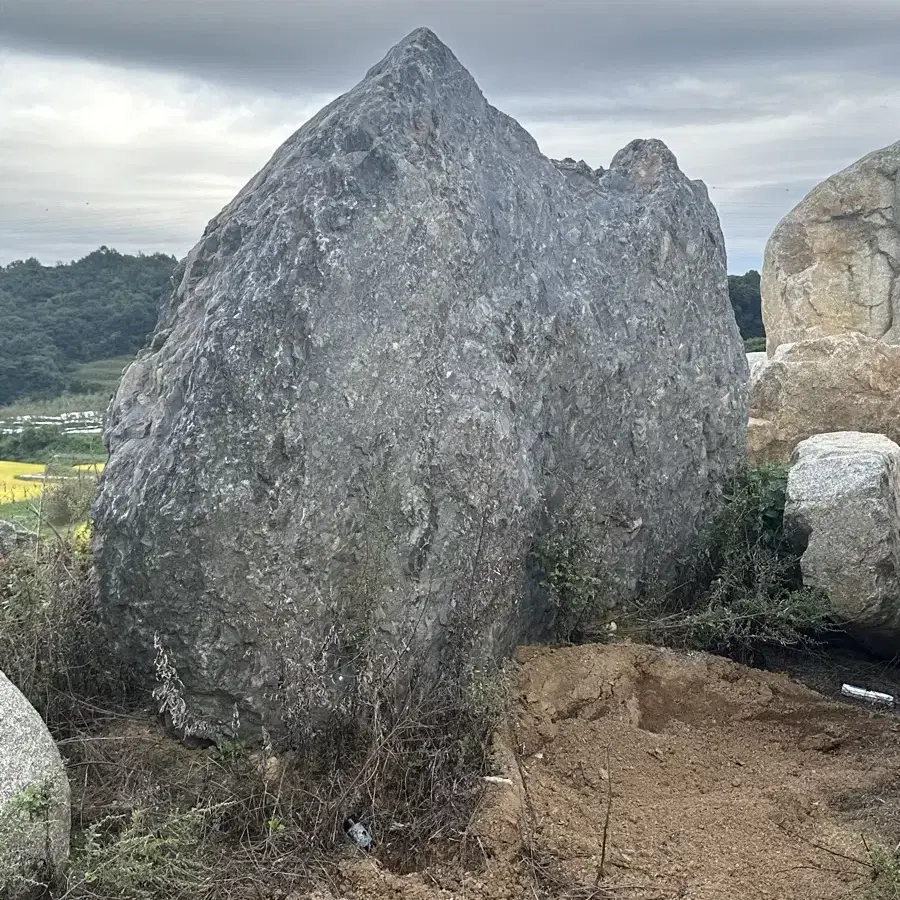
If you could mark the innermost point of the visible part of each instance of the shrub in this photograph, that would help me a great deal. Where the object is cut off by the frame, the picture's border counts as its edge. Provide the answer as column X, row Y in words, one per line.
column 743, row 589
column 68, row 501
column 158, row 820
column 408, row 764
column 144, row 857
column 577, row 580
column 755, row 345
column 740, row 590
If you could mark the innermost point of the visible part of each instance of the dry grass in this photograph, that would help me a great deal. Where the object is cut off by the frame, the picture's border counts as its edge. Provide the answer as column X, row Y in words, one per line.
column 154, row 819
column 94, row 467
column 51, row 645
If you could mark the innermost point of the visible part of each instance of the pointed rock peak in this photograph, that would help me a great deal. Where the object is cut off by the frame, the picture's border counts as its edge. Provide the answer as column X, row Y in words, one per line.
column 424, row 40
column 647, row 163
column 421, row 51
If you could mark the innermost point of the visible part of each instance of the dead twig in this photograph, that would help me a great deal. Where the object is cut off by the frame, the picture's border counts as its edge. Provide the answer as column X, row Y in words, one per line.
column 601, row 873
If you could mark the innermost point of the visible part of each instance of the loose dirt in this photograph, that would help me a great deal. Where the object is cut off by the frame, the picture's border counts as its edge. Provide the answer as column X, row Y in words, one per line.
column 641, row 773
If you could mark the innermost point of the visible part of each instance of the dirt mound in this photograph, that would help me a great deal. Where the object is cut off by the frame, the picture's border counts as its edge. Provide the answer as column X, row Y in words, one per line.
column 720, row 781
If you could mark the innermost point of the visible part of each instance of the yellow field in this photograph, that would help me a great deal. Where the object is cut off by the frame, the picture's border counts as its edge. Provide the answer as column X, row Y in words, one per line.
column 89, row 467
column 12, row 488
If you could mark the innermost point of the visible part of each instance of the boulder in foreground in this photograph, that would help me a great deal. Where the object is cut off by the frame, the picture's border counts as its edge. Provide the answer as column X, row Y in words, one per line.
column 34, row 800
column 842, row 506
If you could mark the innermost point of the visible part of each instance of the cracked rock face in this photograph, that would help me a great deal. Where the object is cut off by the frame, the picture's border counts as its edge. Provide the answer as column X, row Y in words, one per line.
column 409, row 348
column 832, row 265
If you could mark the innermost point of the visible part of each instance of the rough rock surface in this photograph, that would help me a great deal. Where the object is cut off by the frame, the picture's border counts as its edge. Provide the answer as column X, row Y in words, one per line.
column 34, row 799
column 756, row 361
column 841, row 383
column 408, row 346
column 12, row 537
column 842, row 507
column 832, row 265
column 9, row 537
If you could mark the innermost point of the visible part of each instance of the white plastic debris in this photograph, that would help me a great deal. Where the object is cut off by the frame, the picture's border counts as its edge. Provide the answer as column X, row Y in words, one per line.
column 876, row 697
column 359, row 834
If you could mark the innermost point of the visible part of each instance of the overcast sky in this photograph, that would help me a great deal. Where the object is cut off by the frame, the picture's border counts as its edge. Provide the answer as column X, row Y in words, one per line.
column 130, row 123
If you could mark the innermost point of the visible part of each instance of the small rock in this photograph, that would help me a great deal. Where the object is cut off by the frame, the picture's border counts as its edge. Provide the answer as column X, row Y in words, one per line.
column 841, row 511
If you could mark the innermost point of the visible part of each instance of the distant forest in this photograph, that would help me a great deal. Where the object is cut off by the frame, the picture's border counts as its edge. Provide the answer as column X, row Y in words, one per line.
column 745, row 300
column 55, row 317
column 105, row 305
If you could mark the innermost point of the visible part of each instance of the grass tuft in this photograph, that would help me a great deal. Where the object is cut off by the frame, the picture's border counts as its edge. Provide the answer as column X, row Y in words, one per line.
column 883, row 880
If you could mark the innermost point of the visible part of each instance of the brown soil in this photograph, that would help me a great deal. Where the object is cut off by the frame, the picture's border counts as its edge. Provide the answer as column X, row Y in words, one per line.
column 725, row 782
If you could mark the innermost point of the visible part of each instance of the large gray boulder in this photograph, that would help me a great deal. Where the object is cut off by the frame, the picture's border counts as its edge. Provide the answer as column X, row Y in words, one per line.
column 832, row 265
column 34, row 800
column 410, row 347
column 842, row 507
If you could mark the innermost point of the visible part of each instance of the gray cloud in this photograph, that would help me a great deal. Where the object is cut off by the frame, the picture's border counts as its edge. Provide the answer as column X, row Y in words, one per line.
column 292, row 45
column 132, row 123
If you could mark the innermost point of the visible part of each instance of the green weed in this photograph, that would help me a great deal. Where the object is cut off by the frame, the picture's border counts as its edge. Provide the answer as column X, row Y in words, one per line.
column 743, row 588
column 144, row 857
column 884, row 879
column 577, row 580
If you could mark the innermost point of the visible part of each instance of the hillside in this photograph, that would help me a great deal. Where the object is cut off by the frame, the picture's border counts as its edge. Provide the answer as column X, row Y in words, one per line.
column 58, row 317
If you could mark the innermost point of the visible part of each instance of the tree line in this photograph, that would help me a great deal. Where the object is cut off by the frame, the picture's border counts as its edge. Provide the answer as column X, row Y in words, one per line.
column 55, row 317
column 747, row 305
